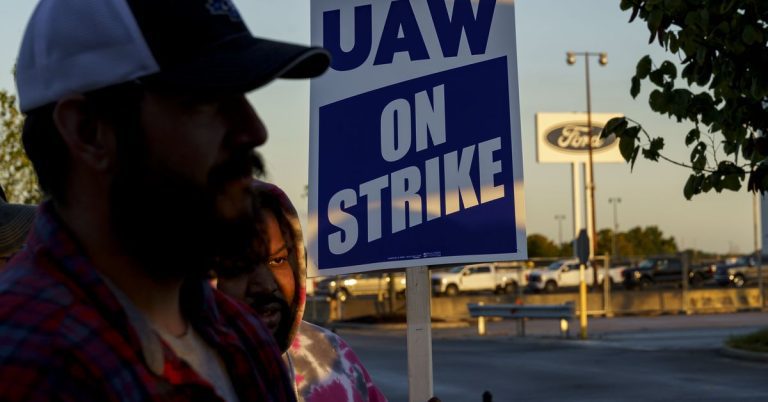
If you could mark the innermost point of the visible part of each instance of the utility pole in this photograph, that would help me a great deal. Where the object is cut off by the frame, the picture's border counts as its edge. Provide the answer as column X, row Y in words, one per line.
column 603, row 60
column 560, row 219
column 614, row 249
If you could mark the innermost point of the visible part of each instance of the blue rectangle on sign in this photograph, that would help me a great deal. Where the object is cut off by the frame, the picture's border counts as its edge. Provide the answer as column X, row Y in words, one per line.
column 420, row 169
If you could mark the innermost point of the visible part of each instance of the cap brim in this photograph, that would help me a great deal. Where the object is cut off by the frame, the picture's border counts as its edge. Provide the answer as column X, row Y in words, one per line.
column 243, row 64
column 15, row 223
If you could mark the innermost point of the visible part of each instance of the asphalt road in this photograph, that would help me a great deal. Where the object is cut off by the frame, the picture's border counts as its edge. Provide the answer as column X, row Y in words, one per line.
column 669, row 358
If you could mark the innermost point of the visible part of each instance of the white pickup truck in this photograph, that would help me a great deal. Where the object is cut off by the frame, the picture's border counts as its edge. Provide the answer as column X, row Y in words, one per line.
column 560, row 274
column 495, row 277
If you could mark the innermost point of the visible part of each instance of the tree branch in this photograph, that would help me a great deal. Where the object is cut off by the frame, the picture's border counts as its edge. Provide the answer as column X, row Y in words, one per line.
column 714, row 148
column 669, row 160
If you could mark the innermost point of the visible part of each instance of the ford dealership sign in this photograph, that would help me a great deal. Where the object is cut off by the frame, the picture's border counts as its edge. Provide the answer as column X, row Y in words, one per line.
column 575, row 137
column 564, row 137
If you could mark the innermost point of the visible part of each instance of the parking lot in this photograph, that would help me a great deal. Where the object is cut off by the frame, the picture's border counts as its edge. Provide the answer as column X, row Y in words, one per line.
column 666, row 358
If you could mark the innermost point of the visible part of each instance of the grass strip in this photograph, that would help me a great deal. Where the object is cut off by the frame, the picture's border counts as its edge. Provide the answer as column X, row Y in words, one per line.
column 754, row 342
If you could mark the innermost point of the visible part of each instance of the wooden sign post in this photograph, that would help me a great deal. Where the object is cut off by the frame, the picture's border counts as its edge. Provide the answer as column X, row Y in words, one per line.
column 420, row 386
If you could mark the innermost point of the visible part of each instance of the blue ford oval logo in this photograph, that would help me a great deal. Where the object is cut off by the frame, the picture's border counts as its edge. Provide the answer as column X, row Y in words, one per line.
column 575, row 137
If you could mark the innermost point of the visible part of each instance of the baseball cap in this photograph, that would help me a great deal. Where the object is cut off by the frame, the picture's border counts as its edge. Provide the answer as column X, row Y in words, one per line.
column 15, row 222
column 76, row 46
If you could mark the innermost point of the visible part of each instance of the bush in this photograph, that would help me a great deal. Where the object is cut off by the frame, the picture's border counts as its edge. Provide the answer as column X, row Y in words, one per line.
column 754, row 342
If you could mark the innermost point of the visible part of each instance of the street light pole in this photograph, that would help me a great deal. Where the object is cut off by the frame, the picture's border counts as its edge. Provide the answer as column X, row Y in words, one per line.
column 615, row 201
column 571, row 60
column 559, row 219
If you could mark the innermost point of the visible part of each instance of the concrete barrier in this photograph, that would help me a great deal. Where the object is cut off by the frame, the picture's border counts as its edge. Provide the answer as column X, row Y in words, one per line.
column 648, row 302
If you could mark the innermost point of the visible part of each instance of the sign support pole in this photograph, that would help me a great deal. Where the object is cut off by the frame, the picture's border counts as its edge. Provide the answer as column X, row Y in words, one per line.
column 589, row 201
column 576, row 187
column 686, row 269
column 582, row 251
column 582, row 302
column 607, row 303
column 419, row 315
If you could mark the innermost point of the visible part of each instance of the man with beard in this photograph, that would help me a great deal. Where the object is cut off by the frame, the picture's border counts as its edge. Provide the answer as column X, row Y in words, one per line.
column 269, row 276
column 142, row 139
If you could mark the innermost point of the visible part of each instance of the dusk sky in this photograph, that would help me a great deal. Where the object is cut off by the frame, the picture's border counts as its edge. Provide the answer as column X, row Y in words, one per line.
column 546, row 29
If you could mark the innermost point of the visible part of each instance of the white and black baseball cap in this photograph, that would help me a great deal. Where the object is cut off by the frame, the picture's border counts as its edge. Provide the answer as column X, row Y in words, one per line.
column 76, row 46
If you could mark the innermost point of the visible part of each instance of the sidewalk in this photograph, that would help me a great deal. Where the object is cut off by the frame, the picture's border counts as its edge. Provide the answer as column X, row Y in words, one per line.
column 707, row 332
column 664, row 358
column 601, row 327
column 635, row 330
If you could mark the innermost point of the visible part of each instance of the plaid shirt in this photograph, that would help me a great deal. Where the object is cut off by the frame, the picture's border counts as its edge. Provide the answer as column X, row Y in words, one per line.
column 64, row 335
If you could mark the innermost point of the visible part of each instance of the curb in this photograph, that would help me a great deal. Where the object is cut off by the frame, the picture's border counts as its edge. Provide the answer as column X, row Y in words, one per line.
column 435, row 325
column 744, row 354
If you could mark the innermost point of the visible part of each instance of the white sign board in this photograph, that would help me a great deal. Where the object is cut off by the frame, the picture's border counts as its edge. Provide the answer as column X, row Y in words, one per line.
column 415, row 150
column 564, row 138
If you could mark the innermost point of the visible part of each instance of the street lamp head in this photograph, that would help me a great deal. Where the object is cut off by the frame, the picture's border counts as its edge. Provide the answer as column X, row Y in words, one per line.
column 603, row 59
column 571, row 58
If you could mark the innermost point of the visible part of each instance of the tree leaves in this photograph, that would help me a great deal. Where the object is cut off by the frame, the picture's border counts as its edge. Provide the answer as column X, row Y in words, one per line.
column 750, row 35
column 699, row 157
column 628, row 137
column 758, row 179
column 641, row 71
column 635, row 89
column 692, row 136
column 721, row 50
column 657, row 101
column 16, row 173
column 540, row 246
column 653, row 151
column 627, row 147
column 613, row 126
column 638, row 241
column 691, row 187
column 643, row 67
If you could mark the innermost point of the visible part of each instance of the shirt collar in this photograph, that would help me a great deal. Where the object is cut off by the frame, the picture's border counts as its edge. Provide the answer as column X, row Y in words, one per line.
column 197, row 300
column 51, row 235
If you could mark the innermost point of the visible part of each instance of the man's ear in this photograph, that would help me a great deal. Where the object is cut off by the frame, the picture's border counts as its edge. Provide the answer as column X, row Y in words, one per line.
column 89, row 139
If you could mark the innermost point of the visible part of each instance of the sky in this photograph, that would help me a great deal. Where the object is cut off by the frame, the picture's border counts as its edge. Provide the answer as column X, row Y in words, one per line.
column 546, row 29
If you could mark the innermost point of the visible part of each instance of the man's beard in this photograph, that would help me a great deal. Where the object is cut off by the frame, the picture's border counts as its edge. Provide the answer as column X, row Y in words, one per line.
column 168, row 223
column 260, row 302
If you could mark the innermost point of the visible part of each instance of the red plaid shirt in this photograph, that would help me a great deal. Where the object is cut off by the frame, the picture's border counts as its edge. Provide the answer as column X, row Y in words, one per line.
column 64, row 335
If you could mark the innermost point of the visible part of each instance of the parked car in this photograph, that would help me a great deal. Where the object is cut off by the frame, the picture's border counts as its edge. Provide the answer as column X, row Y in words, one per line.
column 615, row 272
column 560, row 274
column 665, row 270
column 494, row 277
column 367, row 284
column 738, row 272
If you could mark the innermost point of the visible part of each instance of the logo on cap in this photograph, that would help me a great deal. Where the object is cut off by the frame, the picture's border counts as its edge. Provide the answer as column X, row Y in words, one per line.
column 224, row 7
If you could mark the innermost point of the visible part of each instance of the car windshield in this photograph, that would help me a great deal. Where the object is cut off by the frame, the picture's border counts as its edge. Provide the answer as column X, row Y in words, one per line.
column 555, row 266
column 646, row 264
column 736, row 262
column 456, row 270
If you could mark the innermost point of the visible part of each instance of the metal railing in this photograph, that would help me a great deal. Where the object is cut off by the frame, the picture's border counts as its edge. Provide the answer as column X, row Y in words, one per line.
column 522, row 312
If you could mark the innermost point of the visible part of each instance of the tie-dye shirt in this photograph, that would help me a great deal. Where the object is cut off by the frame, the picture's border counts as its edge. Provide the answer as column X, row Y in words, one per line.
column 324, row 367
column 327, row 370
